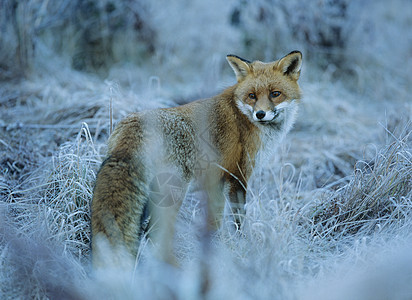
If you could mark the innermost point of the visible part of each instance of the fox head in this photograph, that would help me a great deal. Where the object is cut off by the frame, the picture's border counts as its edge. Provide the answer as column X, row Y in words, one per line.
column 267, row 93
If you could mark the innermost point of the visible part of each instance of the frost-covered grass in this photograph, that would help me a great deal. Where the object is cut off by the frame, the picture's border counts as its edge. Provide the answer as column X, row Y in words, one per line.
column 328, row 218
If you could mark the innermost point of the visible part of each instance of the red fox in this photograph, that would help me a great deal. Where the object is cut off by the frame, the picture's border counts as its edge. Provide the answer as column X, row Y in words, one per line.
column 153, row 156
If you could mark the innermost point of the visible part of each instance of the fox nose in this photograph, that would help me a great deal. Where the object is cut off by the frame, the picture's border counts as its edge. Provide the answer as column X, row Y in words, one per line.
column 260, row 114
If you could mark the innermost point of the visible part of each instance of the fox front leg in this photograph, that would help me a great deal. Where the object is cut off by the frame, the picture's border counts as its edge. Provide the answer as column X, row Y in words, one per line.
column 237, row 201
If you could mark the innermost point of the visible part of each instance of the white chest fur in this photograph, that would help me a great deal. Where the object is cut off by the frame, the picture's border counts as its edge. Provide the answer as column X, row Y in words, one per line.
column 272, row 135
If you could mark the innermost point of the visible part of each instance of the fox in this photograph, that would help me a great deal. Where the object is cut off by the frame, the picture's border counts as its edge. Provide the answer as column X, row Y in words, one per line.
column 153, row 156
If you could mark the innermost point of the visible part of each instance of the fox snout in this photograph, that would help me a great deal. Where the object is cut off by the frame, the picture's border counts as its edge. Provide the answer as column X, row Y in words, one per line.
column 262, row 115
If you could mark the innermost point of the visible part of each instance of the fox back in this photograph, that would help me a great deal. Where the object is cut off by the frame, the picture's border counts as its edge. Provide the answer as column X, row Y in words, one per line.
column 153, row 156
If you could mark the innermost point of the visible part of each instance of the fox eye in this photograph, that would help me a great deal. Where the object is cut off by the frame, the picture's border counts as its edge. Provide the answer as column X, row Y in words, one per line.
column 275, row 94
column 252, row 96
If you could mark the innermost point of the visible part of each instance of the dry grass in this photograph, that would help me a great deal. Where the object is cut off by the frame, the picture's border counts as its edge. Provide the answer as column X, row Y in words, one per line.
column 292, row 227
column 378, row 193
column 327, row 218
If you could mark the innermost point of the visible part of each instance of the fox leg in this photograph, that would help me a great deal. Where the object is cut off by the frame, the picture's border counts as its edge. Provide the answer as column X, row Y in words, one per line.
column 215, row 203
column 163, row 210
column 237, row 201
column 217, row 200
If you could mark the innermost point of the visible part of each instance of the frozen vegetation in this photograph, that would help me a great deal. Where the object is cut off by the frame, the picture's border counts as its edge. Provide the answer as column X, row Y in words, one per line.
column 329, row 218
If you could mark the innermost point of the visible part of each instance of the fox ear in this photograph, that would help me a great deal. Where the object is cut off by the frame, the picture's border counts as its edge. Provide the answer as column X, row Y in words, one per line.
column 291, row 64
column 240, row 66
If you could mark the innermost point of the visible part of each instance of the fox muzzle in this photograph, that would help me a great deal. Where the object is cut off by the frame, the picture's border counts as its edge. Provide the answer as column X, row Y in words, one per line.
column 267, row 116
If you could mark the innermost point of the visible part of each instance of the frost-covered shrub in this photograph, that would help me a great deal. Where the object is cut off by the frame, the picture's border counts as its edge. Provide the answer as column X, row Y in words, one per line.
column 16, row 38
column 270, row 27
column 95, row 34
column 110, row 31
